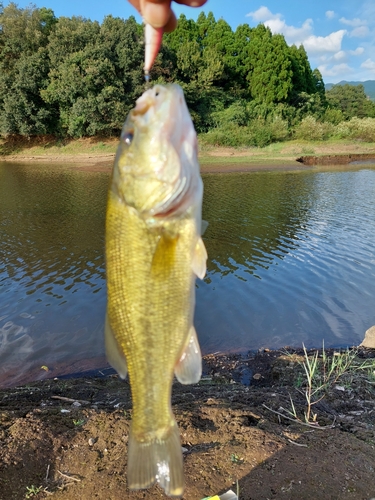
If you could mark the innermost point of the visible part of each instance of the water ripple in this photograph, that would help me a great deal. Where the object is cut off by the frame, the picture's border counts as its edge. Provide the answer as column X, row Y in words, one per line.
column 291, row 260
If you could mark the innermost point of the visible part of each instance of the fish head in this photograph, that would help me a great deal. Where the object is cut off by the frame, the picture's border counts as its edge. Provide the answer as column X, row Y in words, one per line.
column 156, row 169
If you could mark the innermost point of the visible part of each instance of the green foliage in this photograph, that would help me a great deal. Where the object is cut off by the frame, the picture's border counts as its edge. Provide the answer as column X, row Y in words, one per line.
column 98, row 79
column 24, row 70
column 32, row 491
column 356, row 128
column 334, row 116
column 236, row 114
column 76, row 77
column 270, row 79
column 351, row 100
column 302, row 76
column 257, row 132
column 310, row 129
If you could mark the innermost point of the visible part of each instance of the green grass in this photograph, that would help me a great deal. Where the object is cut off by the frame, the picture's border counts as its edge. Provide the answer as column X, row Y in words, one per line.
column 51, row 146
column 322, row 372
column 78, row 422
column 32, row 491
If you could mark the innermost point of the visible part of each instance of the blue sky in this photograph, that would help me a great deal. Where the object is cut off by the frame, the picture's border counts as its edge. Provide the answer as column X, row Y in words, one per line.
column 338, row 35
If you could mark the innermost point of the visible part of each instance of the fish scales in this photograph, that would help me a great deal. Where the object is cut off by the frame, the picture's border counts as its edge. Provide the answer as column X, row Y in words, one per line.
column 138, row 304
column 154, row 251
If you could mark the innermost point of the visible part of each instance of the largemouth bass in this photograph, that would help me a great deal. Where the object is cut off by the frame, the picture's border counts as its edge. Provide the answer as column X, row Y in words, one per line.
column 154, row 251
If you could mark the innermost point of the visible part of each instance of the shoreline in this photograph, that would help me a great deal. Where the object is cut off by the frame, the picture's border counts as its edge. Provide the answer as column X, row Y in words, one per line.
column 98, row 154
column 212, row 164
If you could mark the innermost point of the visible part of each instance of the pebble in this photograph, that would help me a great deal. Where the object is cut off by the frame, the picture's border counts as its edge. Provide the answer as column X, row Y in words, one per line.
column 92, row 441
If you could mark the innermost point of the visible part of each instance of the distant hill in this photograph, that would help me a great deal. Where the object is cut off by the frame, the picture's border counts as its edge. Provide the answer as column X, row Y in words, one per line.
column 369, row 86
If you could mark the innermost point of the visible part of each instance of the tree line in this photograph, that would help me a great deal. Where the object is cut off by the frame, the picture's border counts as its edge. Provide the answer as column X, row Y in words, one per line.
column 75, row 77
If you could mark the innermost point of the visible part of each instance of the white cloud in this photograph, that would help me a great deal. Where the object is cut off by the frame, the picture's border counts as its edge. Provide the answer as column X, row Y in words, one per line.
column 291, row 33
column 339, row 56
column 368, row 64
column 357, row 52
column 321, row 44
column 277, row 24
column 352, row 22
column 330, row 14
column 299, row 35
column 262, row 14
column 360, row 32
column 336, row 70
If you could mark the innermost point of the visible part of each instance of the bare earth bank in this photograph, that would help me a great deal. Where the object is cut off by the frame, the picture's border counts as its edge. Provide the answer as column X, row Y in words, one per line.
column 68, row 438
column 98, row 154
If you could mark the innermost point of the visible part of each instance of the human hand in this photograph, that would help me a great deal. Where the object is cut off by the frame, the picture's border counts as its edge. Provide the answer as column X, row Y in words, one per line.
column 158, row 13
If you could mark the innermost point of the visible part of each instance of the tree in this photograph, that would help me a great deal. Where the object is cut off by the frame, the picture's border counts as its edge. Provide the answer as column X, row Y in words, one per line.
column 351, row 100
column 24, row 67
column 270, row 79
column 96, row 81
column 302, row 76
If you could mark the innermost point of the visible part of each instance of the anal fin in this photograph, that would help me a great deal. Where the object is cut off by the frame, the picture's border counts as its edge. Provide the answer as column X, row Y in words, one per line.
column 158, row 460
column 199, row 265
column 189, row 367
column 115, row 356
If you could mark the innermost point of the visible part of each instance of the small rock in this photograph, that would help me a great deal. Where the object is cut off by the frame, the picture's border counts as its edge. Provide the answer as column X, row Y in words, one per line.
column 369, row 340
column 76, row 403
column 257, row 376
column 92, row 441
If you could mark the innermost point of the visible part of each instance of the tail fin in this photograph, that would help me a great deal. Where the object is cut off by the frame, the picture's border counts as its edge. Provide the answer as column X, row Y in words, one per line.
column 159, row 461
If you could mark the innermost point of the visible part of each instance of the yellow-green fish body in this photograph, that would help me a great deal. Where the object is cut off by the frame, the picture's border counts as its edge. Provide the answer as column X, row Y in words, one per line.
column 154, row 251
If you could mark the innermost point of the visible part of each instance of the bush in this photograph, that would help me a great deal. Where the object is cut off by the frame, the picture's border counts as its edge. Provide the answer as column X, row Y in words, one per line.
column 236, row 113
column 257, row 133
column 362, row 129
column 334, row 116
column 310, row 129
column 279, row 129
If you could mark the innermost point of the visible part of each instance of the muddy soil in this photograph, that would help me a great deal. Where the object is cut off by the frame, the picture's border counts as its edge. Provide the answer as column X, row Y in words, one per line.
column 337, row 159
column 67, row 438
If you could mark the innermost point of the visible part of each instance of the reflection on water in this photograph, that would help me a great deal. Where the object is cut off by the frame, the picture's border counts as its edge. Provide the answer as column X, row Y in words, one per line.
column 52, row 279
column 291, row 260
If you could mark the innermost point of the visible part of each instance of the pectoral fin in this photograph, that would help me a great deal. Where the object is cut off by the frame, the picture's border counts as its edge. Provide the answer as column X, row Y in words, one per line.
column 115, row 356
column 198, row 264
column 189, row 367
column 164, row 256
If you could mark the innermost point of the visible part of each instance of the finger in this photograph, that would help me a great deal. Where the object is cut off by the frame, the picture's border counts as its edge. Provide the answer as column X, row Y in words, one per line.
column 156, row 12
column 171, row 24
column 135, row 3
column 191, row 3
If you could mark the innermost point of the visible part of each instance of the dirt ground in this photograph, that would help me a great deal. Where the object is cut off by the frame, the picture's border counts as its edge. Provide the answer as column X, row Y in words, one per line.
column 67, row 438
column 98, row 153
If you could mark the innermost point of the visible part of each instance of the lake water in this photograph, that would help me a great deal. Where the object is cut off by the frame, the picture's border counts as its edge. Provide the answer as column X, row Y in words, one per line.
column 291, row 261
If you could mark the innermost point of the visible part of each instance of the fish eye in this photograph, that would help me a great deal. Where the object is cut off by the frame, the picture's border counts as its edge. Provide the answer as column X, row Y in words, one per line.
column 128, row 137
